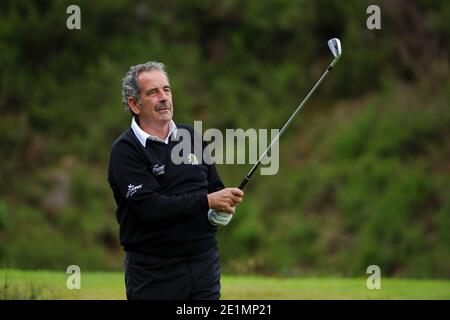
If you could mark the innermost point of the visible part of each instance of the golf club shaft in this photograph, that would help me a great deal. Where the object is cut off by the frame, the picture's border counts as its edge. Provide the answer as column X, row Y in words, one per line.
column 255, row 166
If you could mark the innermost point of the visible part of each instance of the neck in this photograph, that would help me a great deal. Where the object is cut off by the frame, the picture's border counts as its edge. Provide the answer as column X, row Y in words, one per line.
column 158, row 129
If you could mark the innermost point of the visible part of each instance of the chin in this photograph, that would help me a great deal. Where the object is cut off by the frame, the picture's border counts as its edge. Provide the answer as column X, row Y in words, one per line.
column 165, row 117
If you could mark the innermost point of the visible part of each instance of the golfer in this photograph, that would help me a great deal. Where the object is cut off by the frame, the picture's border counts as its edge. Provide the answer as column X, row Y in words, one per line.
column 162, row 208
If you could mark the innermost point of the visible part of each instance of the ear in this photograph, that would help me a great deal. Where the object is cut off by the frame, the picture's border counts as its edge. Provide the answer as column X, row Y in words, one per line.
column 134, row 105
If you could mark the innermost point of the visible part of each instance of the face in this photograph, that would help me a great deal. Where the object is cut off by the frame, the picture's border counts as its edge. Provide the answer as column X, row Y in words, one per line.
column 156, row 98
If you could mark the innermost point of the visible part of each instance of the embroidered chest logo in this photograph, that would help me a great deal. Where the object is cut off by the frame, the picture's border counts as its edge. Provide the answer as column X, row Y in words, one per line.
column 132, row 189
column 158, row 170
column 192, row 159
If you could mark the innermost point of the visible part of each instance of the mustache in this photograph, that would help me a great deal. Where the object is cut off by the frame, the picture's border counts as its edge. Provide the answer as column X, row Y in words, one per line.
column 163, row 106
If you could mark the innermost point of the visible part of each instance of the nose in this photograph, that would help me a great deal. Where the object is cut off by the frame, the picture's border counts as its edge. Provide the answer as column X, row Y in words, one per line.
column 163, row 96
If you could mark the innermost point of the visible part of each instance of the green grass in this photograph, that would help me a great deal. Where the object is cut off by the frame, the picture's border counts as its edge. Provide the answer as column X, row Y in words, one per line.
column 16, row 284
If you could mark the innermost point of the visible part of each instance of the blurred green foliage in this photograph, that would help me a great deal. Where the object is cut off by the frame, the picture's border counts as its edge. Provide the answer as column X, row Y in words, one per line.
column 364, row 174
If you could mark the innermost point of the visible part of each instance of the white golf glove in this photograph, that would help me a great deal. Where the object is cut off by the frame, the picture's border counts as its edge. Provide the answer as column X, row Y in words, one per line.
column 219, row 218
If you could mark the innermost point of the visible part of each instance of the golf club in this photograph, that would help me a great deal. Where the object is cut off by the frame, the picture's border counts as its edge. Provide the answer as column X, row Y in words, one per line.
column 336, row 49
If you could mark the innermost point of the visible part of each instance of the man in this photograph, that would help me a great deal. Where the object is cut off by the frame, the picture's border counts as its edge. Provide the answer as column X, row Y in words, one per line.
column 162, row 208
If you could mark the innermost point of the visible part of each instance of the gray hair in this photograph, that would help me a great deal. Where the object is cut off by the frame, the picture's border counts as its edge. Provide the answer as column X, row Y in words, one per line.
column 130, row 87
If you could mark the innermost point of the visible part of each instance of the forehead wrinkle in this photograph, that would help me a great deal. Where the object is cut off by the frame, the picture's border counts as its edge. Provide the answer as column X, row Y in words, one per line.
column 149, row 83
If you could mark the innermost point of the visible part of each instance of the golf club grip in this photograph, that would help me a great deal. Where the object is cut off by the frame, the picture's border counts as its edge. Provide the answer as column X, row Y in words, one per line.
column 244, row 182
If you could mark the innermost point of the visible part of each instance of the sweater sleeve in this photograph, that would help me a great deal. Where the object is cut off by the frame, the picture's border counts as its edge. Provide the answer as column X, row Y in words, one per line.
column 130, row 176
column 214, row 181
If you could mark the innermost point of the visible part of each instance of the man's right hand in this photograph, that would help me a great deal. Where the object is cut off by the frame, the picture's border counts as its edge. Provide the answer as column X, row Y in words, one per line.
column 225, row 200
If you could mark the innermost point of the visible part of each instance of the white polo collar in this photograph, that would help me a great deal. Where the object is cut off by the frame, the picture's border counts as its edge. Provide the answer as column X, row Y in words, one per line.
column 143, row 136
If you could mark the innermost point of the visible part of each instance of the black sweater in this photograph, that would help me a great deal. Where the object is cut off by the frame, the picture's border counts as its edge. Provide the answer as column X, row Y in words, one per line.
column 161, row 207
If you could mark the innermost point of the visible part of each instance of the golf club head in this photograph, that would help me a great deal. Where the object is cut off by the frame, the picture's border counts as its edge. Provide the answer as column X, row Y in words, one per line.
column 335, row 47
